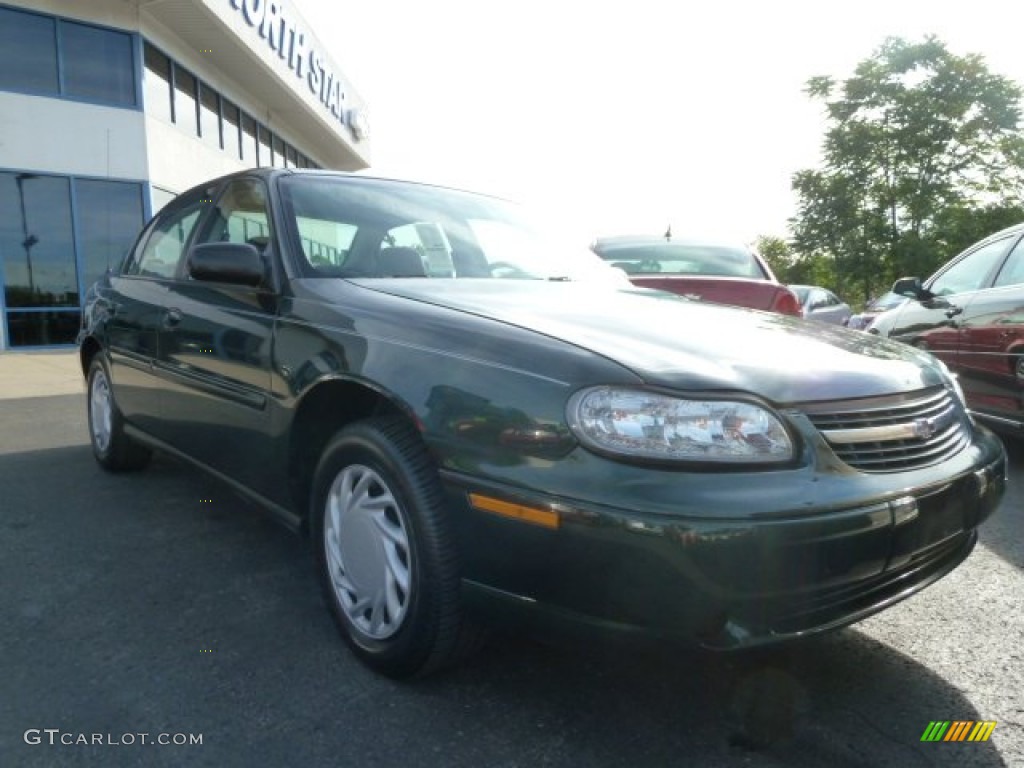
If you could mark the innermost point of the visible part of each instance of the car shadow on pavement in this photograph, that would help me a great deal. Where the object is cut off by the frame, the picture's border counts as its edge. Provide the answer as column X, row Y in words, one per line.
column 160, row 601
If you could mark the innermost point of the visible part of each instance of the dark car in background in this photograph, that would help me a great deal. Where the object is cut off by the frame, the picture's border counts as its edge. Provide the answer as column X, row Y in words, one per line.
column 970, row 314
column 861, row 320
column 470, row 423
column 711, row 270
column 821, row 304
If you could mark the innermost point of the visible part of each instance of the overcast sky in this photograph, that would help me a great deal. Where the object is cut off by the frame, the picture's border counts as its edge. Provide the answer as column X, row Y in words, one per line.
column 625, row 116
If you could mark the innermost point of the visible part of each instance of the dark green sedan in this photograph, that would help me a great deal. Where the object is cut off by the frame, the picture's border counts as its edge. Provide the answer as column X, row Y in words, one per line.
column 475, row 422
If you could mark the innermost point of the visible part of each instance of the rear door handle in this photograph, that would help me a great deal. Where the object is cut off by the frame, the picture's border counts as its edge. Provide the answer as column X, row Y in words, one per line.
column 172, row 317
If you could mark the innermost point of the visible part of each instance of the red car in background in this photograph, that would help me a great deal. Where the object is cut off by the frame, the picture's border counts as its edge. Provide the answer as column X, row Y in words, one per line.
column 702, row 269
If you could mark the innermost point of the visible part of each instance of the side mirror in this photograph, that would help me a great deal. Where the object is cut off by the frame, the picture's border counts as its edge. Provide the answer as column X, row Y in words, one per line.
column 912, row 288
column 235, row 263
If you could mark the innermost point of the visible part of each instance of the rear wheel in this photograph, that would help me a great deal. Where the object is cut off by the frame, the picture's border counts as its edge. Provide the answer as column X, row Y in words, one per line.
column 113, row 449
column 384, row 550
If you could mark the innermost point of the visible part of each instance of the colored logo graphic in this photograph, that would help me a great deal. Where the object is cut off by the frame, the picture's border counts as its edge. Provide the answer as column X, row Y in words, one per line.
column 958, row 730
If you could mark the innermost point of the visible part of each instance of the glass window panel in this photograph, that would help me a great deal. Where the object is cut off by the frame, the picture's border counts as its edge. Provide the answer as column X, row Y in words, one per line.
column 38, row 329
column 249, row 141
column 28, row 52
column 109, row 217
column 241, row 216
column 232, row 143
column 278, row 161
column 971, row 272
column 36, row 241
column 97, row 63
column 264, row 146
column 158, row 198
column 209, row 116
column 1012, row 272
column 156, row 83
column 185, row 114
column 292, row 156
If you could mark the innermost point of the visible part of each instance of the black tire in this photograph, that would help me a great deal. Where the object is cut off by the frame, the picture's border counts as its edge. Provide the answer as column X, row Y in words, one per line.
column 384, row 550
column 113, row 449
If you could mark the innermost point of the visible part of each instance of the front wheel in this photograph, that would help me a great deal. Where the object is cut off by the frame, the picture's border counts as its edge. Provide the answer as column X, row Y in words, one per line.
column 385, row 551
column 114, row 450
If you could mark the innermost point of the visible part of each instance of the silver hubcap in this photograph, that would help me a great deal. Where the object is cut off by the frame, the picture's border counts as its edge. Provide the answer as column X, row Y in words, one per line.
column 100, row 410
column 1020, row 368
column 367, row 549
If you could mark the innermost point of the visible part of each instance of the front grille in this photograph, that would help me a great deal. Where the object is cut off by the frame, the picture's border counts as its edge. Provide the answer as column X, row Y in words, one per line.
column 890, row 434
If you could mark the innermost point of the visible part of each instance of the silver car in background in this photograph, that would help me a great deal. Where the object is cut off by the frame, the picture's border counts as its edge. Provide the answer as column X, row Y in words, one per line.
column 821, row 304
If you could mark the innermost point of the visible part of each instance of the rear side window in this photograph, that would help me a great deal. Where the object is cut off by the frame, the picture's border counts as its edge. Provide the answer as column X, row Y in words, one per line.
column 165, row 245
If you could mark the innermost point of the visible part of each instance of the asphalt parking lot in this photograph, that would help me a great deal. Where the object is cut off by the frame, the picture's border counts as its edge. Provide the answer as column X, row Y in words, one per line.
column 160, row 604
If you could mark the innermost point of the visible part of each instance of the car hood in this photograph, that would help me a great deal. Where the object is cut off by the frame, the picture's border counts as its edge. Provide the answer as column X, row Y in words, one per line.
column 671, row 341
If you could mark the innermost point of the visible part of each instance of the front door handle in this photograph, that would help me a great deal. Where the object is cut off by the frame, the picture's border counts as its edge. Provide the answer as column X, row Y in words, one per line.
column 953, row 311
column 172, row 317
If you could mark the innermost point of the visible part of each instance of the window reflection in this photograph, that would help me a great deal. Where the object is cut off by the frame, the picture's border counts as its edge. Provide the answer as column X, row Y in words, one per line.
column 39, row 329
column 249, row 141
column 36, row 241
column 263, row 158
column 157, row 84
column 28, row 52
column 232, row 138
column 98, row 63
column 209, row 113
column 185, row 114
column 109, row 217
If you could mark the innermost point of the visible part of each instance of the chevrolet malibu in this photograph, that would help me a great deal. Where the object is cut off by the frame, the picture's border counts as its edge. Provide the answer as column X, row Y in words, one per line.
column 470, row 421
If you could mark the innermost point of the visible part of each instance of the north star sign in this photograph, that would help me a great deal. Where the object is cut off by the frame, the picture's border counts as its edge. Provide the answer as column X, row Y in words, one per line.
column 269, row 19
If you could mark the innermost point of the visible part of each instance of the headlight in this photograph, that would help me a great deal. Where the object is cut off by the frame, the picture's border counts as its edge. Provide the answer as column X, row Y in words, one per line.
column 646, row 425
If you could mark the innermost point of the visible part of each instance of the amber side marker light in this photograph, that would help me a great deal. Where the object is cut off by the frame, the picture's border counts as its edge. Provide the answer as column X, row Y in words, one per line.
column 533, row 515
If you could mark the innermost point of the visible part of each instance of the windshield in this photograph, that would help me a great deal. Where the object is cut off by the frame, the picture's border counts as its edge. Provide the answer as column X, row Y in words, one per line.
column 887, row 301
column 361, row 227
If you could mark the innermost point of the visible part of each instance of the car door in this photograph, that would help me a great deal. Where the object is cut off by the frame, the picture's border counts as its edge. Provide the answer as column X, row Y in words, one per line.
column 934, row 324
column 991, row 360
column 216, row 344
column 136, row 310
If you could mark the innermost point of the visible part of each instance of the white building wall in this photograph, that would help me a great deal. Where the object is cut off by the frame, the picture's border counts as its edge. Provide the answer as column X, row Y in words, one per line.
column 67, row 137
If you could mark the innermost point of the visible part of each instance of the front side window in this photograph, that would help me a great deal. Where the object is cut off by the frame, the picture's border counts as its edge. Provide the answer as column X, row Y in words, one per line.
column 240, row 216
column 971, row 272
column 98, row 64
column 165, row 243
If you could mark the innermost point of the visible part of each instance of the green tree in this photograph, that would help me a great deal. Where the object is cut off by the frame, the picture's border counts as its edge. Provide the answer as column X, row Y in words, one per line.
column 922, row 147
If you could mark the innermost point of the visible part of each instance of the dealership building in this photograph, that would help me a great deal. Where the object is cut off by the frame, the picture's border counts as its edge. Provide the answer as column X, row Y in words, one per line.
column 109, row 108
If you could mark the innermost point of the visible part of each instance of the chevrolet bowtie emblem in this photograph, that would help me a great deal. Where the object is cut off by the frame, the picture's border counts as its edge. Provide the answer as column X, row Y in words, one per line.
column 924, row 428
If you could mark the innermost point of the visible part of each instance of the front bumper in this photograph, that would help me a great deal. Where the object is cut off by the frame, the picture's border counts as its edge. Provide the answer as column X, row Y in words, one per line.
column 728, row 580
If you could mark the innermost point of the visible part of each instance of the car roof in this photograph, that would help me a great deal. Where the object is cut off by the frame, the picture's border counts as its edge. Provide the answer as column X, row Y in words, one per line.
column 274, row 173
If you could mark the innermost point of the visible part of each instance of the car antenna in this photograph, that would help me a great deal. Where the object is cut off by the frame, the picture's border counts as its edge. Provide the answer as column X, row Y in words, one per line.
column 668, row 232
